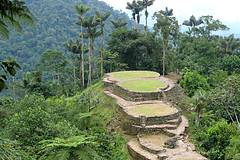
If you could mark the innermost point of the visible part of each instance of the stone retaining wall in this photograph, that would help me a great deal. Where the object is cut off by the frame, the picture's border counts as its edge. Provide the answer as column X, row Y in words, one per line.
column 136, row 155
column 150, row 120
column 133, row 96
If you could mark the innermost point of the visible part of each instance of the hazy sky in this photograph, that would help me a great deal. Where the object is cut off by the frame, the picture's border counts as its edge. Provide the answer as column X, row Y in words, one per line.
column 225, row 10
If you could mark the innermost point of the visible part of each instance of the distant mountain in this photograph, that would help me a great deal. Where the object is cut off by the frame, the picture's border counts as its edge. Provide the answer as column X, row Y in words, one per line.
column 55, row 25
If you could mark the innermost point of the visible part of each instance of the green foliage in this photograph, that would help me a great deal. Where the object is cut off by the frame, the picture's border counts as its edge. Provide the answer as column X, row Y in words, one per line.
column 233, row 150
column 199, row 103
column 53, row 61
column 67, row 146
column 11, row 150
column 32, row 84
column 32, row 123
column 55, row 25
column 111, row 147
column 231, row 63
column 193, row 81
column 217, row 78
column 7, row 67
column 218, row 138
column 63, row 125
column 135, row 49
column 198, row 53
column 112, row 62
column 13, row 14
column 224, row 101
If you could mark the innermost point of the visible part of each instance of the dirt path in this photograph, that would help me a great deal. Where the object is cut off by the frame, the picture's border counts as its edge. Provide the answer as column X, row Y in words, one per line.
column 172, row 125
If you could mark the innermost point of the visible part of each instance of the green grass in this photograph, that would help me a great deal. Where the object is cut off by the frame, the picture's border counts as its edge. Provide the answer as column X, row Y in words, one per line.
column 126, row 75
column 159, row 109
column 143, row 85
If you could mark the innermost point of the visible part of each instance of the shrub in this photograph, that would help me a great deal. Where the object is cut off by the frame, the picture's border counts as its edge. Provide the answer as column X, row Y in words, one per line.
column 218, row 138
column 233, row 150
column 231, row 63
column 193, row 81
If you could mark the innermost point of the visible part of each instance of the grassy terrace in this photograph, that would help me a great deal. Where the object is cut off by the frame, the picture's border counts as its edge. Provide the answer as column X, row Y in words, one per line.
column 143, row 85
column 152, row 110
column 126, row 75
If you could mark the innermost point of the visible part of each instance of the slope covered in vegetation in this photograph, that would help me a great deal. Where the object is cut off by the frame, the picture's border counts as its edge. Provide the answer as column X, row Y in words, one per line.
column 54, row 111
column 61, row 127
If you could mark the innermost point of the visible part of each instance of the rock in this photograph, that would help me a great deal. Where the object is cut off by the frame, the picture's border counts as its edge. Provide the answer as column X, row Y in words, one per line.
column 171, row 143
column 162, row 157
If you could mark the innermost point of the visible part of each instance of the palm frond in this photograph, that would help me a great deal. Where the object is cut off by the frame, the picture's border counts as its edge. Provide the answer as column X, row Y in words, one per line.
column 71, row 142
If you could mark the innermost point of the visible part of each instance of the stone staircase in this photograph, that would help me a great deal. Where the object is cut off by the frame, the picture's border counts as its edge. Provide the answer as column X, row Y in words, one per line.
column 158, row 137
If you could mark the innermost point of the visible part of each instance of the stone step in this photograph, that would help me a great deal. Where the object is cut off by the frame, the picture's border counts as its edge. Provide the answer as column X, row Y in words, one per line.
column 174, row 119
column 138, row 153
column 152, row 128
column 181, row 129
column 187, row 155
column 150, row 146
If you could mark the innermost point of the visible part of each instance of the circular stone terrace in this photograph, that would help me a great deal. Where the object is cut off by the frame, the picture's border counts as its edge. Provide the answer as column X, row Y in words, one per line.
column 157, row 109
column 128, row 75
column 139, row 81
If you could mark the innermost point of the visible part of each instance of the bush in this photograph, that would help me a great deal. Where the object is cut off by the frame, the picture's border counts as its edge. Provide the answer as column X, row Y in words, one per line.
column 233, row 150
column 224, row 100
column 231, row 63
column 193, row 81
column 218, row 139
column 34, row 123
column 217, row 78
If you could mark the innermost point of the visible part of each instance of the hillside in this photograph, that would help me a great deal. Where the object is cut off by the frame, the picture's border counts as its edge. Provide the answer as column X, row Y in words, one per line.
column 55, row 25
column 62, row 118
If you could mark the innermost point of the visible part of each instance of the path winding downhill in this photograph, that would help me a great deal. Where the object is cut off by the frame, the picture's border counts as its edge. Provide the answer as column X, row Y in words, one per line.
column 159, row 135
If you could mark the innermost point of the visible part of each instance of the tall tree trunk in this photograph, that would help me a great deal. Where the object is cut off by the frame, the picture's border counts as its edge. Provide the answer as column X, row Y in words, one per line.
column 197, row 118
column 82, row 59
column 163, row 60
column 102, row 52
column 90, row 62
column 146, row 19
column 58, row 78
column 74, row 76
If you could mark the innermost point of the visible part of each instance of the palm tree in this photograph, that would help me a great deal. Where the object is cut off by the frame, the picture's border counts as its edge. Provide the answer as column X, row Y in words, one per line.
column 12, row 13
column 76, row 47
column 101, row 18
column 199, row 101
column 229, row 45
column 90, row 24
column 165, row 24
column 119, row 23
column 193, row 22
column 145, row 4
column 136, row 8
column 81, row 10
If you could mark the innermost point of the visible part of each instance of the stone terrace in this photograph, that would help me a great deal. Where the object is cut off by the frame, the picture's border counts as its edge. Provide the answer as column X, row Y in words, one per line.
column 153, row 118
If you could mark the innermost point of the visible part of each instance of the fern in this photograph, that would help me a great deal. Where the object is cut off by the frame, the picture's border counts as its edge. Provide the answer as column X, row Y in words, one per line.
column 64, row 148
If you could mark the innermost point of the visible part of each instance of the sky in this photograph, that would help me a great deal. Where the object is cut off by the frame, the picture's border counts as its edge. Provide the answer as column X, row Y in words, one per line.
column 225, row 10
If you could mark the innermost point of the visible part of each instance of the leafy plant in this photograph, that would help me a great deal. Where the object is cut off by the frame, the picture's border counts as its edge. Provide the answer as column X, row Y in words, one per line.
column 193, row 81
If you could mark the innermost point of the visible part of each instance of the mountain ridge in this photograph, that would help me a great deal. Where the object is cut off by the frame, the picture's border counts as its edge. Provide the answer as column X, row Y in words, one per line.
column 55, row 25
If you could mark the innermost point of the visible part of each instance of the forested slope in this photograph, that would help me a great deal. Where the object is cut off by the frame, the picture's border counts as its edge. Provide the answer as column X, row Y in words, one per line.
column 55, row 25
